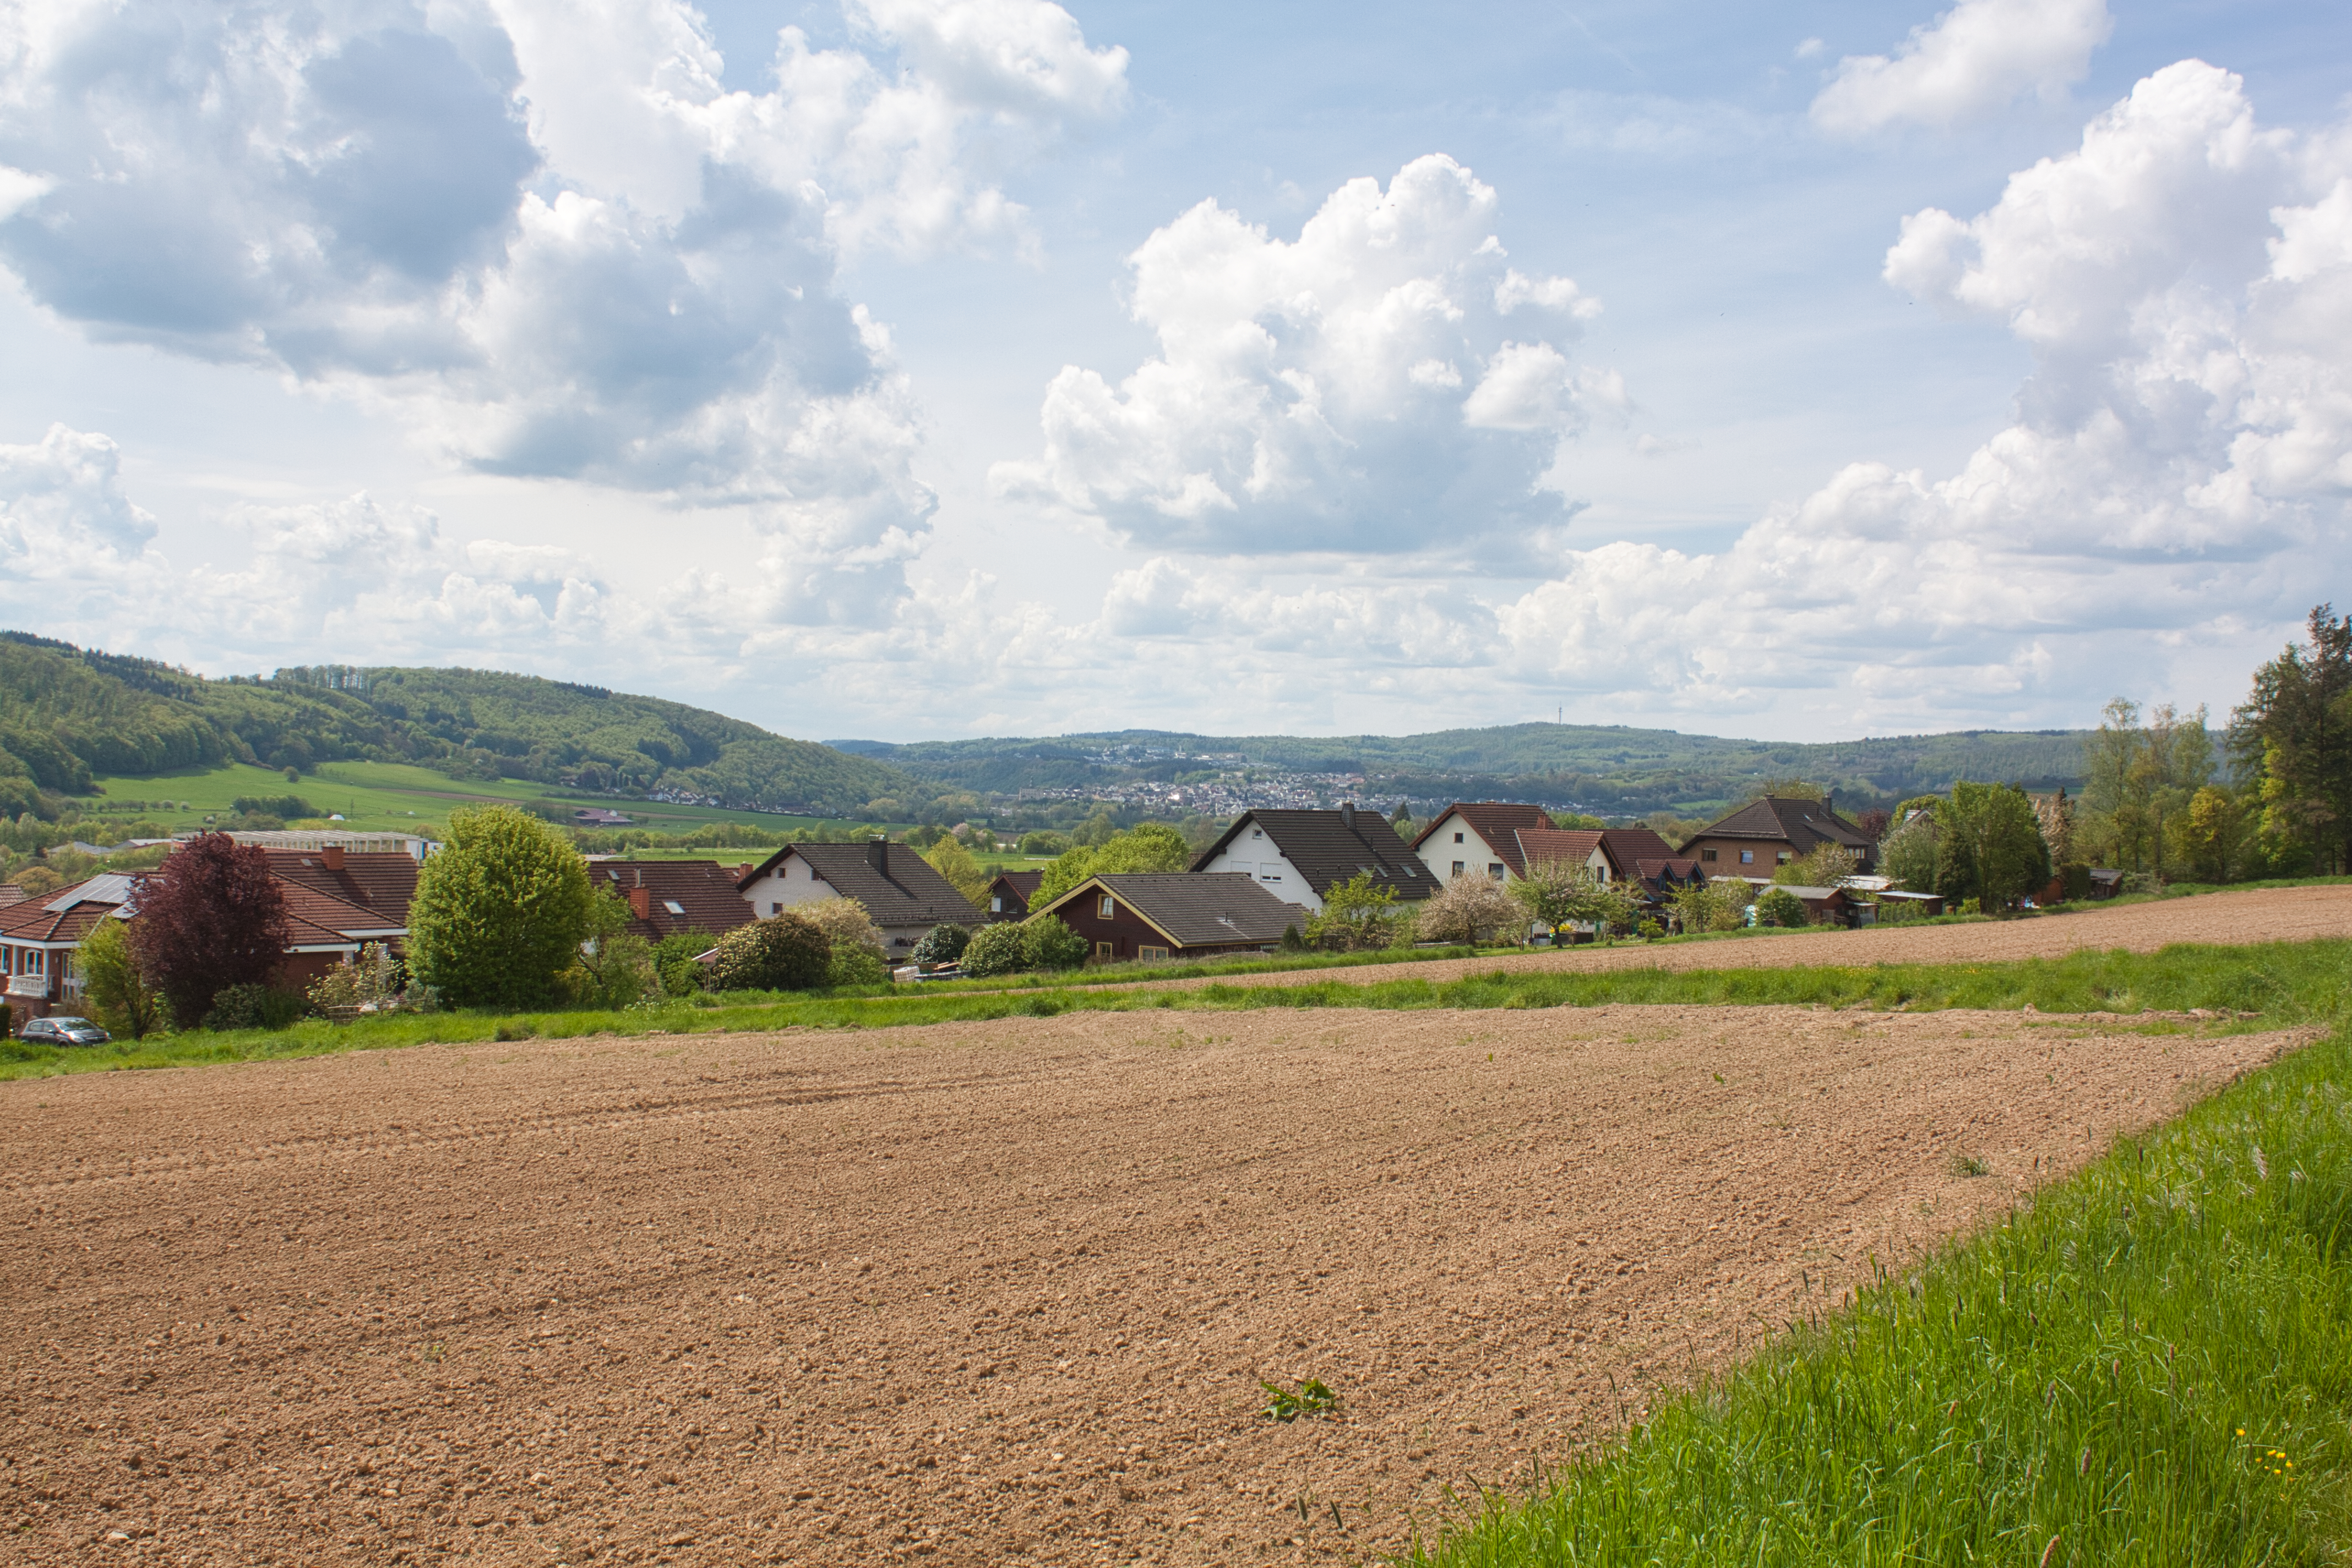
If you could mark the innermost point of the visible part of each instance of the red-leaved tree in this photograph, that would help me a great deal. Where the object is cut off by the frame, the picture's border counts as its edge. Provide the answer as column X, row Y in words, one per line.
column 209, row 918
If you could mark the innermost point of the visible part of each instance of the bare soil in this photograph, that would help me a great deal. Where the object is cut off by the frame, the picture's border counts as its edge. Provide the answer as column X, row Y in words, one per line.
column 2261, row 914
column 984, row 1293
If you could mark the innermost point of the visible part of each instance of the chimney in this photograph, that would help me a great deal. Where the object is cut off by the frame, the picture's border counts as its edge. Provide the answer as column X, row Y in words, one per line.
column 332, row 856
column 641, row 902
column 877, row 854
column 1829, row 802
column 743, row 871
column 1347, row 814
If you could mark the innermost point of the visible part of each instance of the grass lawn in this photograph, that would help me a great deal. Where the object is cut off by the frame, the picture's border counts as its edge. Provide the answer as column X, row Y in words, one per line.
column 385, row 797
column 2278, row 982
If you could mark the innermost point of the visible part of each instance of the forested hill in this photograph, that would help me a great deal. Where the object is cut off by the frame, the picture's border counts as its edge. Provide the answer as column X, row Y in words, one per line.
column 68, row 712
column 1604, row 767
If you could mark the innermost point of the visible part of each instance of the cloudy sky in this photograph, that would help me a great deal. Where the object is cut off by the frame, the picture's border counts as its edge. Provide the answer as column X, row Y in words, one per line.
column 907, row 368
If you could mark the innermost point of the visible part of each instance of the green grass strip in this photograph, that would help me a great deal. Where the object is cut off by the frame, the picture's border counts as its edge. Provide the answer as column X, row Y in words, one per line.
column 2153, row 1365
column 2280, row 981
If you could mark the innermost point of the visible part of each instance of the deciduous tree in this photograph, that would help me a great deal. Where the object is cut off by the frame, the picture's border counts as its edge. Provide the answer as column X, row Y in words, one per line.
column 1989, row 845
column 950, row 859
column 117, row 993
column 210, row 917
column 782, row 952
column 2295, row 728
column 501, row 911
column 1469, row 909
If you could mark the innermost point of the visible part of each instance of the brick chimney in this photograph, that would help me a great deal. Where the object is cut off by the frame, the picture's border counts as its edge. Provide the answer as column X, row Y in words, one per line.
column 332, row 856
column 877, row 854
column 641, row 902
column 743, row 871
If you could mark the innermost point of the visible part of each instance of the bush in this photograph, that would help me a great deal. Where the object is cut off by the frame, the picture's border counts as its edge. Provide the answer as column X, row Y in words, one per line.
column 249, row 1005
column 1779, row 907
column 117, row 994
column 846, row 925
column 1001, row 949
column 1469, row 910
column 273, row 805
column 672, row 959
column 1900, row 912
column 1047, row 943
column 856, row 966
column 501, row 911
column 1044, row 843
column 943, row 944
column 375, row 983
column 785, row 952
column 2074, row 879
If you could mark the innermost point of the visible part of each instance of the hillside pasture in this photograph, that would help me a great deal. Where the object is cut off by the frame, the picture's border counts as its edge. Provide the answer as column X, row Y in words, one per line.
column 980, row 1293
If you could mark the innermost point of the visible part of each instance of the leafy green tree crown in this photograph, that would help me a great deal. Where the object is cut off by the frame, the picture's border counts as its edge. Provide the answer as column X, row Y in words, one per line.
column 210, row 917
column 501, row 911
column 784, row 953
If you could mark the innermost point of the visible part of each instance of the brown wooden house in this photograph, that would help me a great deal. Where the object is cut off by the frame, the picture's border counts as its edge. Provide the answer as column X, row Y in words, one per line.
column 1175, row 914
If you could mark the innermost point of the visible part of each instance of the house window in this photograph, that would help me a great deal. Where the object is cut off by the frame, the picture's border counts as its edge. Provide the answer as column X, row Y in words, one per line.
column 1707, row 854
column 1747, row 857
column 1457, row 838
column 1106, row 908
column 996, row 904
column 1150, row 952
column 674, row 906
column 1257, row 833
column 1457, row 868
column 1494, row 870
column 775, row 908
column 1106, row 950
column 35, row 961
column 1781, row 858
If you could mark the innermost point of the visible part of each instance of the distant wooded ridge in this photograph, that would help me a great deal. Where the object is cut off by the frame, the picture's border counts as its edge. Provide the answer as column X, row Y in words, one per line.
column 1608, row 768
column 68, row 713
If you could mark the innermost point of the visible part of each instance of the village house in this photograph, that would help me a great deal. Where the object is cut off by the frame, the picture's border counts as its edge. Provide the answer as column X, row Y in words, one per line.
column 902, row 894
column 1299, row 856
column 328, row 911
column 1008, row 896
column 1768, row 833
column 1155, row 915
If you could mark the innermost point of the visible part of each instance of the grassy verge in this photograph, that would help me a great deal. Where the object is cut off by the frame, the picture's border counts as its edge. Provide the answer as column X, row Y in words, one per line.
column 2153, row 1365
column 2279, row 982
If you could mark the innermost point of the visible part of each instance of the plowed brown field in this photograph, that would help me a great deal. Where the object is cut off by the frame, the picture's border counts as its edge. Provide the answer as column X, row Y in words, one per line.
column 983, row 1293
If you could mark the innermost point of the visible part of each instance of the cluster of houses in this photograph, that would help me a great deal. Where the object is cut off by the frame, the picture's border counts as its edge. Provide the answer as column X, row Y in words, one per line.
column 1267, row 874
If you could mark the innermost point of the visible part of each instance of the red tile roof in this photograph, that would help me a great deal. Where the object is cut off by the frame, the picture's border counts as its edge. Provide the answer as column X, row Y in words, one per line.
column 382, row 882
column 704, row 892
column 1565, row 846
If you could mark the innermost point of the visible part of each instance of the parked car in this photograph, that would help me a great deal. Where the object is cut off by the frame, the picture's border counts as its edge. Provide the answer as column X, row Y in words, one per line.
column 64, row 1032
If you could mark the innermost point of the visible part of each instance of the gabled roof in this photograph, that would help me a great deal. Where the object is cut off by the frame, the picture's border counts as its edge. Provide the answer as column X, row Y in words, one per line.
column 384, row 882
column 904, row 891
column 1799, row 824
column 1495, row 821
column 319, row 919
column 1196, row 909
column 1628, row 845
column 703, row 892
column 1328, row 849
column 1565, row 846
column 68, row 914
column 1680, row 867
column 1023, row 883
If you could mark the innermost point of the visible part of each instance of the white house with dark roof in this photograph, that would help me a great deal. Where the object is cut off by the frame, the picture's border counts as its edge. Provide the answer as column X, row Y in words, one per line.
column 902, row 894
column 1300, row 856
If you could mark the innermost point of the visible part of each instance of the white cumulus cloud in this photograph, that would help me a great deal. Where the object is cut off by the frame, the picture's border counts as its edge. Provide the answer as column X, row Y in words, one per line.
column 1386, row 383
column 1975, row 58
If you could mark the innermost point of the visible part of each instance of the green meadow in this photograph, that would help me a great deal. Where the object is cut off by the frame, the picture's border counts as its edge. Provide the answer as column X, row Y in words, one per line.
column 383, row 797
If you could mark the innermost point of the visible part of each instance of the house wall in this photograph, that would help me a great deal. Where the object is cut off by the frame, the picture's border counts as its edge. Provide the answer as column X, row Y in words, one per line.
column 1439, row 852
column 1126, row 930
column 1253, row 853
column 795, row 882
column 1770, row 854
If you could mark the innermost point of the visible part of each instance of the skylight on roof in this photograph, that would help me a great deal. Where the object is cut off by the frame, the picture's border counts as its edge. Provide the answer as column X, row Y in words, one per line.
column 673, row 906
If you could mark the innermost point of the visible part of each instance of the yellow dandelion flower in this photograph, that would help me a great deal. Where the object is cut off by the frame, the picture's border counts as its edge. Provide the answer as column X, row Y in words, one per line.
column 2241, row 1431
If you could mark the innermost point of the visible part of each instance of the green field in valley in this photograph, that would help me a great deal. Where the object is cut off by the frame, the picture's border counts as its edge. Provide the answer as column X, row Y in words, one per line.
column 381, row 797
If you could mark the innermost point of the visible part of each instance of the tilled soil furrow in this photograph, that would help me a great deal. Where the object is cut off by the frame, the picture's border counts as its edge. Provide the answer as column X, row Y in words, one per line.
column 984, row 1293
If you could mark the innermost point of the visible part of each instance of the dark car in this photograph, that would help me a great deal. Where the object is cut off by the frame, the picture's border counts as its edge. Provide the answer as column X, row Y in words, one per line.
column 65, row 1032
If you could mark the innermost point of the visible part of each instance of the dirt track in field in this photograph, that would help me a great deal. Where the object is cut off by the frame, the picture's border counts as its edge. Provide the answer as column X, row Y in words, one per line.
column 984, row 1293
column 2265, row 914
